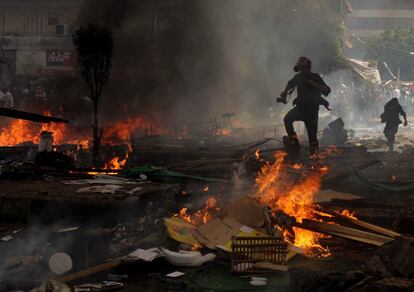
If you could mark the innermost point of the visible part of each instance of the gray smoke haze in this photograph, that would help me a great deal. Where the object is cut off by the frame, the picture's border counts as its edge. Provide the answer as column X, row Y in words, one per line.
column 203, row 58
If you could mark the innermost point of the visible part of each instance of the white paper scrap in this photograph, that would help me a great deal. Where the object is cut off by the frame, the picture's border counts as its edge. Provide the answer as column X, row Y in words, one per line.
column 7, row 238
column 175, row 274
column 147, row 255
column 246, row 229
column 134, row 190
column 107, row 189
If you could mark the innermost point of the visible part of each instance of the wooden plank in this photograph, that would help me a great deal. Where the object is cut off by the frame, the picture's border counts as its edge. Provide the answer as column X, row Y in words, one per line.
column 372, row 227
column 12, row 113
column 358, row 238
column 345, row 232
column 364, row 224
column 89, row 271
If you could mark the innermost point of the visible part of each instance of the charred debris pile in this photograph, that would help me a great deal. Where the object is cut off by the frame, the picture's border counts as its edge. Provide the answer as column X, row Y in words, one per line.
column 170, row 212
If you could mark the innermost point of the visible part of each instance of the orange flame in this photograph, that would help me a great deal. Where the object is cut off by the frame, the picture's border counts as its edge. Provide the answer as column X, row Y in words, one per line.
column 349, row 214
column 297, row 166
column 122, row 130
column 257, row 154
column 223, row 132
column 204, row 215
column 115, row 163
column 184, row 215
column 20, row 131
column 13, row 132
column 277, row 189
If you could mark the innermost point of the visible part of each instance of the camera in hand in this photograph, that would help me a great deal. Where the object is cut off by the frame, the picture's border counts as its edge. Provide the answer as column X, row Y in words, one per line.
column 281, row 99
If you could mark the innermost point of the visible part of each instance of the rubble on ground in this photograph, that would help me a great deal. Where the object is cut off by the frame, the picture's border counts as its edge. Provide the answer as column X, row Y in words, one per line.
column 178, row 220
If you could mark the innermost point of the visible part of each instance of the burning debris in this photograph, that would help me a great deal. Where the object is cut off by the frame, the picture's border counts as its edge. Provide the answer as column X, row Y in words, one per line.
column 201, row 216
column 293, row 196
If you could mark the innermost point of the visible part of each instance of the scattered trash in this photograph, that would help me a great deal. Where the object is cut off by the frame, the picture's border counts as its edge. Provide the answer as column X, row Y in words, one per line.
column 187, row 258
column 181, row 230
column 104, row 286
column 249, row 233
column 6, row 238
column 258, row 282
column 218, row 233
column 159, row 174
column 68, row 229
column 60, row 263
column 147, row 255
column 134, row 190
column 52, row 286
column 114, row 277
column 107, row 180
column 106, row 189
column 175, row 274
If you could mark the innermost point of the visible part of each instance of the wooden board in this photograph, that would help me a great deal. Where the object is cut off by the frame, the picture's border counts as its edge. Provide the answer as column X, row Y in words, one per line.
column 372, row 227
column 12, row 113
column 364, row 224
column 344, row 232
column 89, row 271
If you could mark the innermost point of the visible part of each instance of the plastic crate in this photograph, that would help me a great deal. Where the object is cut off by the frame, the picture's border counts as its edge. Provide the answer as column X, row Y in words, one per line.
column 248, row 251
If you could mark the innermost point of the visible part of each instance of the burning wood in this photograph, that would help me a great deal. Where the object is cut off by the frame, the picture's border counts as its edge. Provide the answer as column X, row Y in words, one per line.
column 278, row 190
column 116, row 163
column 345, row 232
column 290, row 198
column 348, row 213
column 201, row 216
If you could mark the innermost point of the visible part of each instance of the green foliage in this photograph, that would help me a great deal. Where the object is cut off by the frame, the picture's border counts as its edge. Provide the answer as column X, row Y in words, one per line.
column 393, row 47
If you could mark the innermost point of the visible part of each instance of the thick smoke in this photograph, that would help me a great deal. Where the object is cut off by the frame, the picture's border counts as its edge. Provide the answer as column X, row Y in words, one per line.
column 183, row 61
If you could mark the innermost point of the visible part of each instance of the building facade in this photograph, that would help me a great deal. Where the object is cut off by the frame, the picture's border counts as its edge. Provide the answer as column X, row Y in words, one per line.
column 36, row 36
column 372, row 17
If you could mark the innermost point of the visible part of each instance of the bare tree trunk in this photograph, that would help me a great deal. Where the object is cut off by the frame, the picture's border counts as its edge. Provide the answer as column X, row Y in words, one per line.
column 97, row 136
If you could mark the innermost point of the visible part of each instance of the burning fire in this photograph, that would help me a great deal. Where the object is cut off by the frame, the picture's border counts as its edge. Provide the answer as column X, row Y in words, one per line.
column 20, row 131
column 257, row 154
column 14, row 132
column 203, row 215
column 115, row 163
column 122, row 130
column 349, row 214
column 223, row 132
column 294, row 196
column 297, row 166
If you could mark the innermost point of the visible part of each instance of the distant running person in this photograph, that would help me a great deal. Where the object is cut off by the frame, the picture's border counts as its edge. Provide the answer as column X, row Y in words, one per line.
column 391, row 118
